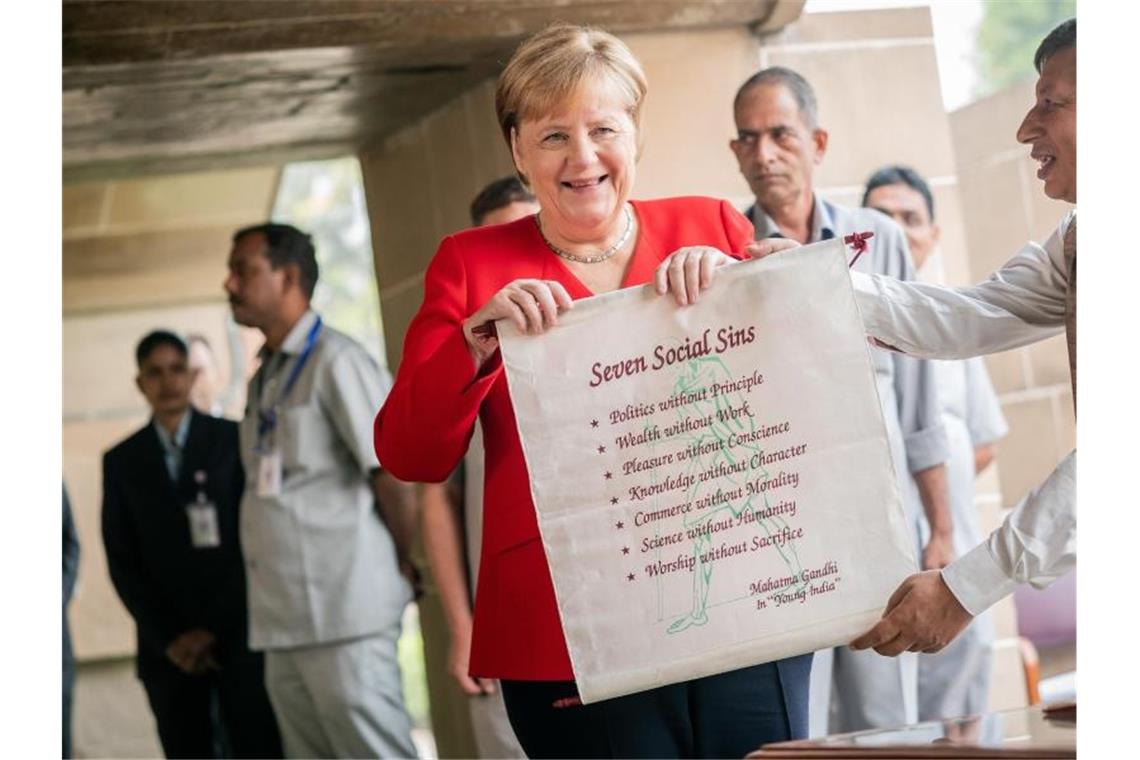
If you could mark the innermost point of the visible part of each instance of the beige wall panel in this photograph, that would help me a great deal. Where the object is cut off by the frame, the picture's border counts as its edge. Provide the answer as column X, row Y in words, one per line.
column 879, row 105
column 860, row 25
column 987, row 482
column 216, row 198
column 98, row 362
column 100, row 625
column 183, row 285
column 992, row 203
column 419, row 185
column 987, row 128
column 488, row 155
column 687, row 118
column 112, row 716
column 850, row 196
column 398, row 310
column 145, row 270
column 1004, row 616
column 1007, row 371
column 449, row 167
column 401, row 207
column 1049, row 362
column 990, row 512
column 98, row 353
column 1007, row 681
column 114, row 255
column 83, row 206
column 952, row 248
column 1029, row 453
column 1066, row 418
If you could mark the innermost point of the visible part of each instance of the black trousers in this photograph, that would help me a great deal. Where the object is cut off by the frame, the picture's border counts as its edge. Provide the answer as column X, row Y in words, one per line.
column 727, row 715
column 224, row 713
column 68, row 686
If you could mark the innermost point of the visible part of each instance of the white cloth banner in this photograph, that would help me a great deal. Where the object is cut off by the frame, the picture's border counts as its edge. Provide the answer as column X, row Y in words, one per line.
column 713, row 483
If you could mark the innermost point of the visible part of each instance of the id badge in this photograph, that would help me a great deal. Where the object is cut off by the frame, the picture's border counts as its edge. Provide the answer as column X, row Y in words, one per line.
column 269, row 474
column 203, row 525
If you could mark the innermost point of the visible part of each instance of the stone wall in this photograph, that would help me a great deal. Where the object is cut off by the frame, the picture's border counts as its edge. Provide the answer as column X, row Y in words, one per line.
column 1006, row 206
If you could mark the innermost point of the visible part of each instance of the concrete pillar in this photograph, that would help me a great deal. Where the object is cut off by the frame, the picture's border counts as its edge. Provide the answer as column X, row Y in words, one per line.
column 418, row 184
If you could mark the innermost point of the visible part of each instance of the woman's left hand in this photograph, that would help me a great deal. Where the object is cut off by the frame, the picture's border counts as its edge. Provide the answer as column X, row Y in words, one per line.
column 687, row 271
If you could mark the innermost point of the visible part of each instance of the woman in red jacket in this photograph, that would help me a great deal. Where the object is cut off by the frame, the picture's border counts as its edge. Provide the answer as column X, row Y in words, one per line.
column 568, row 104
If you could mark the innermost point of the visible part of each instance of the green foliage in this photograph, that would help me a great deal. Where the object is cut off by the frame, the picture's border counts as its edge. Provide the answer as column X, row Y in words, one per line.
column 326, row 199
column 1008, row 36
column 410, row 654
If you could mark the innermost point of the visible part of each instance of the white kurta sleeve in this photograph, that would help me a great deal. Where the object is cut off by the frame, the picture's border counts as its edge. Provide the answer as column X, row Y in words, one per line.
column 1021, row 303
column 1036, row 544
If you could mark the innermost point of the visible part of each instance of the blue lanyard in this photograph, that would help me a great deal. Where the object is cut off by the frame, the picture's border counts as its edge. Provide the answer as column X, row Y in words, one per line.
column 267, row 418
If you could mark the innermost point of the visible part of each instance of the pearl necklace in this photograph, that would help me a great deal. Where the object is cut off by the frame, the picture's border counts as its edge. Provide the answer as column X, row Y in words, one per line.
column 606, row 254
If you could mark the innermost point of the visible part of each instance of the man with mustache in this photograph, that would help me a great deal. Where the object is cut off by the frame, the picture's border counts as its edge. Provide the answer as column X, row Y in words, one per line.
column 779, row 143
column 323, row 564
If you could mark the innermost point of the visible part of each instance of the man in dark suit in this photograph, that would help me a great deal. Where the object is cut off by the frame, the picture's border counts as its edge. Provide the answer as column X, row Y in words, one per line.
column 170, row 526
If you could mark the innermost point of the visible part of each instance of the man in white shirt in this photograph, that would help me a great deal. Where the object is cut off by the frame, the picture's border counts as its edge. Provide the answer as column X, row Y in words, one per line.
column 1031, row 298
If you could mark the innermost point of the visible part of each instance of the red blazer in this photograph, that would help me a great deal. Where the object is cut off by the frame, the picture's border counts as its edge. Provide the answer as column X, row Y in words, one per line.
column 425, row 424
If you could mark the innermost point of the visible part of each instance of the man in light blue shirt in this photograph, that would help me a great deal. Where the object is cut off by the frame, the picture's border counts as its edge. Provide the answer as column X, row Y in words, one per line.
column 778, row 145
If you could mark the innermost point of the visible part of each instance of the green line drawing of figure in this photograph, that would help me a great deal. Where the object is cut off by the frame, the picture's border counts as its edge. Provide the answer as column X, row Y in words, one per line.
column 695, row 375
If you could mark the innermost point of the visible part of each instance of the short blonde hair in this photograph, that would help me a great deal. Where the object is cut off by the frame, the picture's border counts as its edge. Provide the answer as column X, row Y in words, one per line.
column 551, row 65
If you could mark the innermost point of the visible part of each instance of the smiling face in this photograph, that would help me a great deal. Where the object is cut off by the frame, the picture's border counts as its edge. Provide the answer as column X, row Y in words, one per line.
column 580, row 162
column 775, row 148
column 164, row 379
column 1050, row 127
column 906, row 206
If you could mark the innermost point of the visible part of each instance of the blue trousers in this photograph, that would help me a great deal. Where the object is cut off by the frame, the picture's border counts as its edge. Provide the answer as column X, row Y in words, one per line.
column 726, row 715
